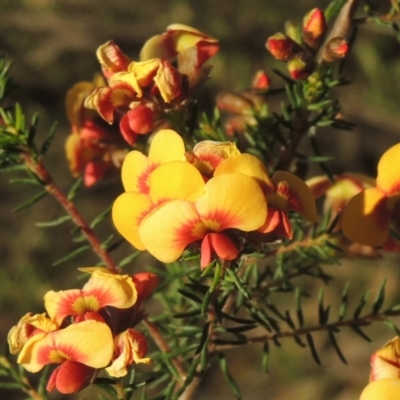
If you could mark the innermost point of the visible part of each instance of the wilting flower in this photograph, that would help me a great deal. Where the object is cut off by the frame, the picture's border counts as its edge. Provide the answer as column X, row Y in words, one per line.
column 385, row 373
column 368, row 215
column 92, row 148
column 186, row 45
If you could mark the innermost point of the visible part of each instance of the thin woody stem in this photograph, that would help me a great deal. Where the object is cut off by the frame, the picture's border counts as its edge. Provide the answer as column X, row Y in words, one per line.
column 164, row 346
column 37, row 167
column 360, row 321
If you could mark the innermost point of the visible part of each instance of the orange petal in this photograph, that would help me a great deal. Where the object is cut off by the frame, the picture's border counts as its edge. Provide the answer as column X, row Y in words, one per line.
column 232, row 201
column 170, row 228
column 89, row 342
column 388, row 179
column 365, row 219
column 176, row 180
column 383, row 389
column 127, row 213
column 249, row 165
column 297, row 194
column 218, row 244
column 145, row 283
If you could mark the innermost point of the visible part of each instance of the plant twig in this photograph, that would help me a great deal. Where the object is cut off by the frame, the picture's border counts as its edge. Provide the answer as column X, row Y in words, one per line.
column 38, row 168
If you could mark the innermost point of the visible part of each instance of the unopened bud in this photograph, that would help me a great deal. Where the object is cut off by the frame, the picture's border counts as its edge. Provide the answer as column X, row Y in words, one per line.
column 336, row 49
column 282, row 47
column 234, row 103
column 300, row 66
column 314, row 28
column 261, row 81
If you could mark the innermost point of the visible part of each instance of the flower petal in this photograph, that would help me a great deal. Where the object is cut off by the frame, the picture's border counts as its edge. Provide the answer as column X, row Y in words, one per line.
column 297, row 194
column 176, row 180
column 170, row 228
column 135, row 172
column 89, row 342
column 168, row 81
column 365, row 219
column 166, row 146
column 232, row 201
column 383, row 389
column 388, row 179
column 249, row 165
column 219, row 244
column 127, row 213
column 112, row 59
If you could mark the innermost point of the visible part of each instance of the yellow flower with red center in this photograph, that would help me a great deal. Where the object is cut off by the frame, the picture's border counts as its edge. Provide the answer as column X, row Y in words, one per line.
column 385, row 373
column 103, row 289
column 368, row 215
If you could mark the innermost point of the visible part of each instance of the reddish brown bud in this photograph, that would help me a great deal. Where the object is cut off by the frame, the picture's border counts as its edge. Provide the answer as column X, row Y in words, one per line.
column 234, row 103
column 261, row 81
column 314, row 28
column 281, row 46
column 336, row 49
column 300, row 66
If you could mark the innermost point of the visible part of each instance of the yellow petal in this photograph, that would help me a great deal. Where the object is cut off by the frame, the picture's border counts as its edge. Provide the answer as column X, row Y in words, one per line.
column 170, row 228
column 319, row 185
column 365, row 219
column 383, row 389
column 166, row 146
column 176, row 180
column 232, row 201
column 249, row 165
column 388, row 179
column 88, row 342
column 169, row 81
column 297, row 193
column 158, row 46
column 145, row 71
column 127, row 213
column 385, row 363
column 74, row 101
column 135, row 172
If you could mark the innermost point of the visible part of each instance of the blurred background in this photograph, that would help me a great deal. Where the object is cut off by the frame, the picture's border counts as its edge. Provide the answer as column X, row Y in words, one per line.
column 52, row 44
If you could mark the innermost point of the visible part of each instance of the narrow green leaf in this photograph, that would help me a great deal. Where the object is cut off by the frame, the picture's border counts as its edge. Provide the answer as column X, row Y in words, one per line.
column 299, row 310
column 335, row 345
column 265, row 358
column 311, row 345
column 239, row 329
column 74, row 188
column 39, row 196
column 229, row 379
column 299, row 341
column 363, row 302
column 25, row 181
column 239, row 284
column 56, row 222
column 192, row 313
column 128, row 259
column 217, row 276
column 206, row 302
column 318, row 106
column 236, row 319
column 100, row 218
column 190, row 296
column 343, row 304
column 72, row 255
column 46, row 144
column 359, row 332
column 11, row 385
column 203, row 339
column 392, row 327
column 380, row 298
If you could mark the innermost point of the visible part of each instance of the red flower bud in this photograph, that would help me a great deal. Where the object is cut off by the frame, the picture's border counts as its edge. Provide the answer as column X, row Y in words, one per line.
column 314, row 28
column 261, row 81
column 300, row 66
column 281, row 46
column 336, row 49
column 139, row 120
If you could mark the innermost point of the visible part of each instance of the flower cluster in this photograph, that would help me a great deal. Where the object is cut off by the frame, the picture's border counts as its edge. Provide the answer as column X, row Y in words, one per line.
column 213, row 197
column 385, row 373
column 144, row 95
column 86, row 330
column 302, row 51
column 93, row 148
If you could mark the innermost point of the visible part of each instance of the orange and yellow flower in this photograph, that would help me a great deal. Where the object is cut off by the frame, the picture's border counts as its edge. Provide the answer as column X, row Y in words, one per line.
column 385, row 373
column 368, row 216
